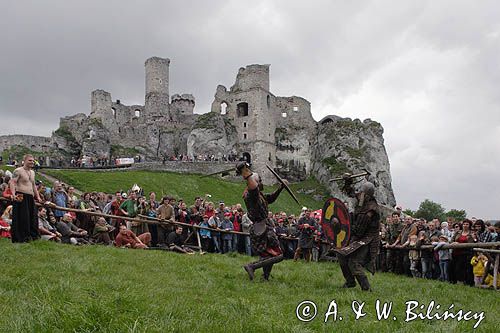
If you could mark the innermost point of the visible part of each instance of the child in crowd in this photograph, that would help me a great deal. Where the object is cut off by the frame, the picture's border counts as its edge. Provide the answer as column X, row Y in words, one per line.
column 316, row 246
column 444, row 256
column 478, row 263
column 4, row 229
column 413, row 254
column 7, row 215
column 488, row 281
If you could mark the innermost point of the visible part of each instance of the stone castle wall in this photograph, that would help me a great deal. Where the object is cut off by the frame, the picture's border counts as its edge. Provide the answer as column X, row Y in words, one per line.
column 35, row 143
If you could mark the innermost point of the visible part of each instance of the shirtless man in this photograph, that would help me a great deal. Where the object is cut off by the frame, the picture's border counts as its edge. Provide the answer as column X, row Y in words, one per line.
column 24, row 193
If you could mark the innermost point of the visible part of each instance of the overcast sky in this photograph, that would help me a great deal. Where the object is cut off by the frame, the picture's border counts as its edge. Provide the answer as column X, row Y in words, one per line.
column 429, row 71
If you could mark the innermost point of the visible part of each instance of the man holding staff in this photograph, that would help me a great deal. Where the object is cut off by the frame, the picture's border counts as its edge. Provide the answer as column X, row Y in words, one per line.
column 24, row 193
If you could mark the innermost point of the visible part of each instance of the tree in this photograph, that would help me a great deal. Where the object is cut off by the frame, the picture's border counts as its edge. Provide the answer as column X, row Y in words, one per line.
column 409, row 212
column 456, row 214
column 430, row 210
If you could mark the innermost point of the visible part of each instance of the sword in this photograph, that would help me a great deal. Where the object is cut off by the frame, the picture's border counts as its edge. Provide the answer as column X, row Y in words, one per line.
column 218, row 172
column 361, row 174
column 285, row 186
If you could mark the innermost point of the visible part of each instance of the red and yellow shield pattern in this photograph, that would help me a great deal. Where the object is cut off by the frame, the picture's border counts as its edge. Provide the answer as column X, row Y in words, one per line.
column 337, row 233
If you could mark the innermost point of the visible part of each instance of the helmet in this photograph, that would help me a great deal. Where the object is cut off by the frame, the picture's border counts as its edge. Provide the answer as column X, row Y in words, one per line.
column 240, row 166
column 368, row 189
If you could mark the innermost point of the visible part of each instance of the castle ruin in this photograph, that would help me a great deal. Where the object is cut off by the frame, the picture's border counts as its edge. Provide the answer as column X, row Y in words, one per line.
column 246, row 120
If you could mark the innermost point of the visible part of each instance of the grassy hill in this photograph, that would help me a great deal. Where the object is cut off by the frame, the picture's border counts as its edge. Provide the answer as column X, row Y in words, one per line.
column 184, row 186
column 46, row 287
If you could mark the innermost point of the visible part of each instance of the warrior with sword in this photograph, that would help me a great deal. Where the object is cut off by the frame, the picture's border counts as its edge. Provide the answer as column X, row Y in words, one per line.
column 264, row 240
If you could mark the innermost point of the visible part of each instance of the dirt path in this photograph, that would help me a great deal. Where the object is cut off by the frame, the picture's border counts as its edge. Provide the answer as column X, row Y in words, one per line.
column 53, row 179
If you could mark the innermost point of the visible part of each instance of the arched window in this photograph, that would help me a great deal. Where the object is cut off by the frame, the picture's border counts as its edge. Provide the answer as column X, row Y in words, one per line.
column 268, row 101
column 242, row 109
column 137, row 113
column 113, row 111
column 223, row 108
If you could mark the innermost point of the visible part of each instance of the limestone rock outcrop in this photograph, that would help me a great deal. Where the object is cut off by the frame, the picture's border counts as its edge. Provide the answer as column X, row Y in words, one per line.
column 345, row 145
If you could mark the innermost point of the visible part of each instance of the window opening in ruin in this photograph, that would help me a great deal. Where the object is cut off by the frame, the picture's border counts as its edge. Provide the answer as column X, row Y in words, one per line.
column 160, row 81
column 113, row 111
column 242, row 109
column 269, row 157
column 295, row 108
column 245, row 125
column 223, row 108
column 137, row 113
column 284, row 114
column 244, row 136
column 268, row 101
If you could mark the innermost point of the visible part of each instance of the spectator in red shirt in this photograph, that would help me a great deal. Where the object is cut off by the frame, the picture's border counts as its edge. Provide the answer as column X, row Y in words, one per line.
column 115, row 210
column 4, row 229
column 210, row 211
column 126, row 238
column 236, row 219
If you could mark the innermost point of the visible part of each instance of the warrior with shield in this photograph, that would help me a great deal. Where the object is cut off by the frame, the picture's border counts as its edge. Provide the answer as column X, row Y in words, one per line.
column 364, row 241
column 354, row 236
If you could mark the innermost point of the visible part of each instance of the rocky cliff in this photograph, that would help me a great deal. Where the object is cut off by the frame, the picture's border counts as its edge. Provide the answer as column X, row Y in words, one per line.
column 345, row 145
column 212, row 134
column 324, row 151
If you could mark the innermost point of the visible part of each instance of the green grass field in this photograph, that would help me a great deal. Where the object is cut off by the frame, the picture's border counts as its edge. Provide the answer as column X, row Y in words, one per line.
column 183, row 186
column 46, row 287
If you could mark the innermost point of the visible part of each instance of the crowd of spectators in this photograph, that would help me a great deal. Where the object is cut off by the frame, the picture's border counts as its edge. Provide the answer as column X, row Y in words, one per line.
column 301, row 236
column 80, row 228
column 104, row 161
column 202, row 158
column 401, row 252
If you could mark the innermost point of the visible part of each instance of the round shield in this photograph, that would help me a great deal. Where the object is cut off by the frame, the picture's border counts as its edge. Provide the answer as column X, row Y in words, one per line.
column 336, row 222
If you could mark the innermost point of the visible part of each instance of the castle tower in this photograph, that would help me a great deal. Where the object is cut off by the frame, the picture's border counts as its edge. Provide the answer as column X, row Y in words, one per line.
column 253, row 118
column 102, row 108
column 100, row 104
column 157, row 93
column 182, row 105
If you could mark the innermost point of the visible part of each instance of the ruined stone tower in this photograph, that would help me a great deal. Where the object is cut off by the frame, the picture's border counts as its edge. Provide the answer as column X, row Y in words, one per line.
column 157, row 91
column 181, row 106
column 100, row 104
column 249, row 105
